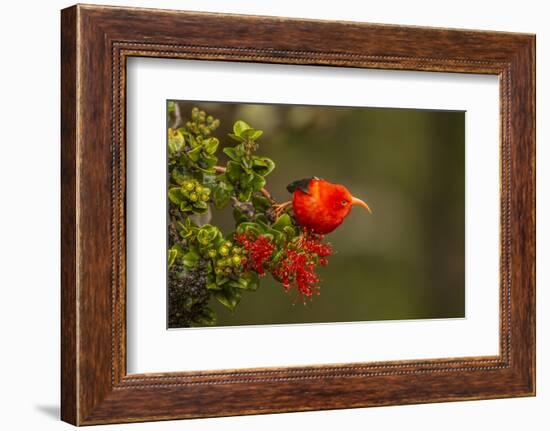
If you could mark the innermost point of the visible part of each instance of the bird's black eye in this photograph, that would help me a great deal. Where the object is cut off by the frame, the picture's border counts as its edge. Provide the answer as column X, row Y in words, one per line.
column 344, row 202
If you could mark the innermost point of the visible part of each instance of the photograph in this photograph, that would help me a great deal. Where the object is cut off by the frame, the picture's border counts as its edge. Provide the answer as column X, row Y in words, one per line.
column 304, row 214
column 284, row 214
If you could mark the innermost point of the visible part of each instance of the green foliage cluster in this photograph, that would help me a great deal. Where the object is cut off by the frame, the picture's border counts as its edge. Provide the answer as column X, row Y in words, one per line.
column 196, row 183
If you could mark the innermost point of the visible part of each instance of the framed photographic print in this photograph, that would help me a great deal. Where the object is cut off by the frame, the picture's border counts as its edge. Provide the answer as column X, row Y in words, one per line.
column 283, row 215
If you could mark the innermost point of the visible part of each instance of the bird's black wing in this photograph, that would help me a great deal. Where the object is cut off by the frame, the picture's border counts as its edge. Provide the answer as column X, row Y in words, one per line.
column 302, row 184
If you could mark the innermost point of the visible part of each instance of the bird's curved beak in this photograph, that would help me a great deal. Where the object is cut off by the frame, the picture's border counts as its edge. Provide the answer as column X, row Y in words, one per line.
column 357, row 201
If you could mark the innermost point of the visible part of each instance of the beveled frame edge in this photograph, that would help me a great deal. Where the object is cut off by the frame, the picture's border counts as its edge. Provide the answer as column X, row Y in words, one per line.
column 96, row 41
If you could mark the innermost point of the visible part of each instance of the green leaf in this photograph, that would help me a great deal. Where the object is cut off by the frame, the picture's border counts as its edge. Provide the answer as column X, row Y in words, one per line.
column 278, row 236
column 191, row 259
column 175, row 141
column 260, row 202
column 238, row 284
column 185, row 207
column 195, row 153
column 179, row 249
column 171, row 106
column 208, row 161
column 178, row 177
column 229, row 297
column 246, row 178
column 232, row 153
column 290, row 232
column 262, row 165
column 213, row 286
column 175, row 195
column 207, row 317
column 244, row 195
column 263, row 220
column 233, row 172
column 210, row 145
column 282, row 222
column 239, row 127
column 200, row 207
column 207, row 171
column 257, row 182
column 235, row 137
column 246, row 165
column 247, row 281
column 253, row 280
column 209, row 179
column 278, row 254
column 221, row 280
column 256, row 134
column 207, row 234
column 248, row 227
column 187, row 224
column 251, row 134
column 222, row 194
column 171, row 148
column 172, row 254
column 194, row 143
column 185, row 232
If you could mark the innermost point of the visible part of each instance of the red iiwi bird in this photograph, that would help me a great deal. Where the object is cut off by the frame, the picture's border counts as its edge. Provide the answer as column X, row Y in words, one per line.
column 321, row 206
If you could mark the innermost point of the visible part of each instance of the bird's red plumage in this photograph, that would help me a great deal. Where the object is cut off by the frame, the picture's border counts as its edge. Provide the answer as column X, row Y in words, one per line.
column 323, row 208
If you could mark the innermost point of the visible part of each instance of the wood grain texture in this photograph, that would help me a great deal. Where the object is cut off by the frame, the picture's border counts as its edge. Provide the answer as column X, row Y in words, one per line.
column 96, row 41
column 69, row 366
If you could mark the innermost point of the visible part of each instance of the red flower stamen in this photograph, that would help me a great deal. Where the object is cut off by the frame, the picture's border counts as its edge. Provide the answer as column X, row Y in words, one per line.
column 258, row 249
column 296, row 267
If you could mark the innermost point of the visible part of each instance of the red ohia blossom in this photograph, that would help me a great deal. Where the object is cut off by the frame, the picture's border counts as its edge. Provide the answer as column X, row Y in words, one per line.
column 296, row 267
column 312, row 243
column 258, row 251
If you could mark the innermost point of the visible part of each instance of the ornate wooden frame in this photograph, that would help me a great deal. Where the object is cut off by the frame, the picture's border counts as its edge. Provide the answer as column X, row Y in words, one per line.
column 95, row 43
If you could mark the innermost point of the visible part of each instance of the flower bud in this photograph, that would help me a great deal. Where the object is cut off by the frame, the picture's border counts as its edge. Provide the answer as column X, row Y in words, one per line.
column 188, row 185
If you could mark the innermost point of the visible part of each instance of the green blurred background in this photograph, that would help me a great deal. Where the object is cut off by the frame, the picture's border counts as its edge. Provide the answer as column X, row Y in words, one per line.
column 406, row 261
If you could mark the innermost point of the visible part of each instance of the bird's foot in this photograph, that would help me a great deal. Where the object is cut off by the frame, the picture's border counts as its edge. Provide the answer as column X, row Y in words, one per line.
column 277, row 210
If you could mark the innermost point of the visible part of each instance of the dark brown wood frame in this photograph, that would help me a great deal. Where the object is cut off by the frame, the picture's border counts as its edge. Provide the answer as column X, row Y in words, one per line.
column 95, row 43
